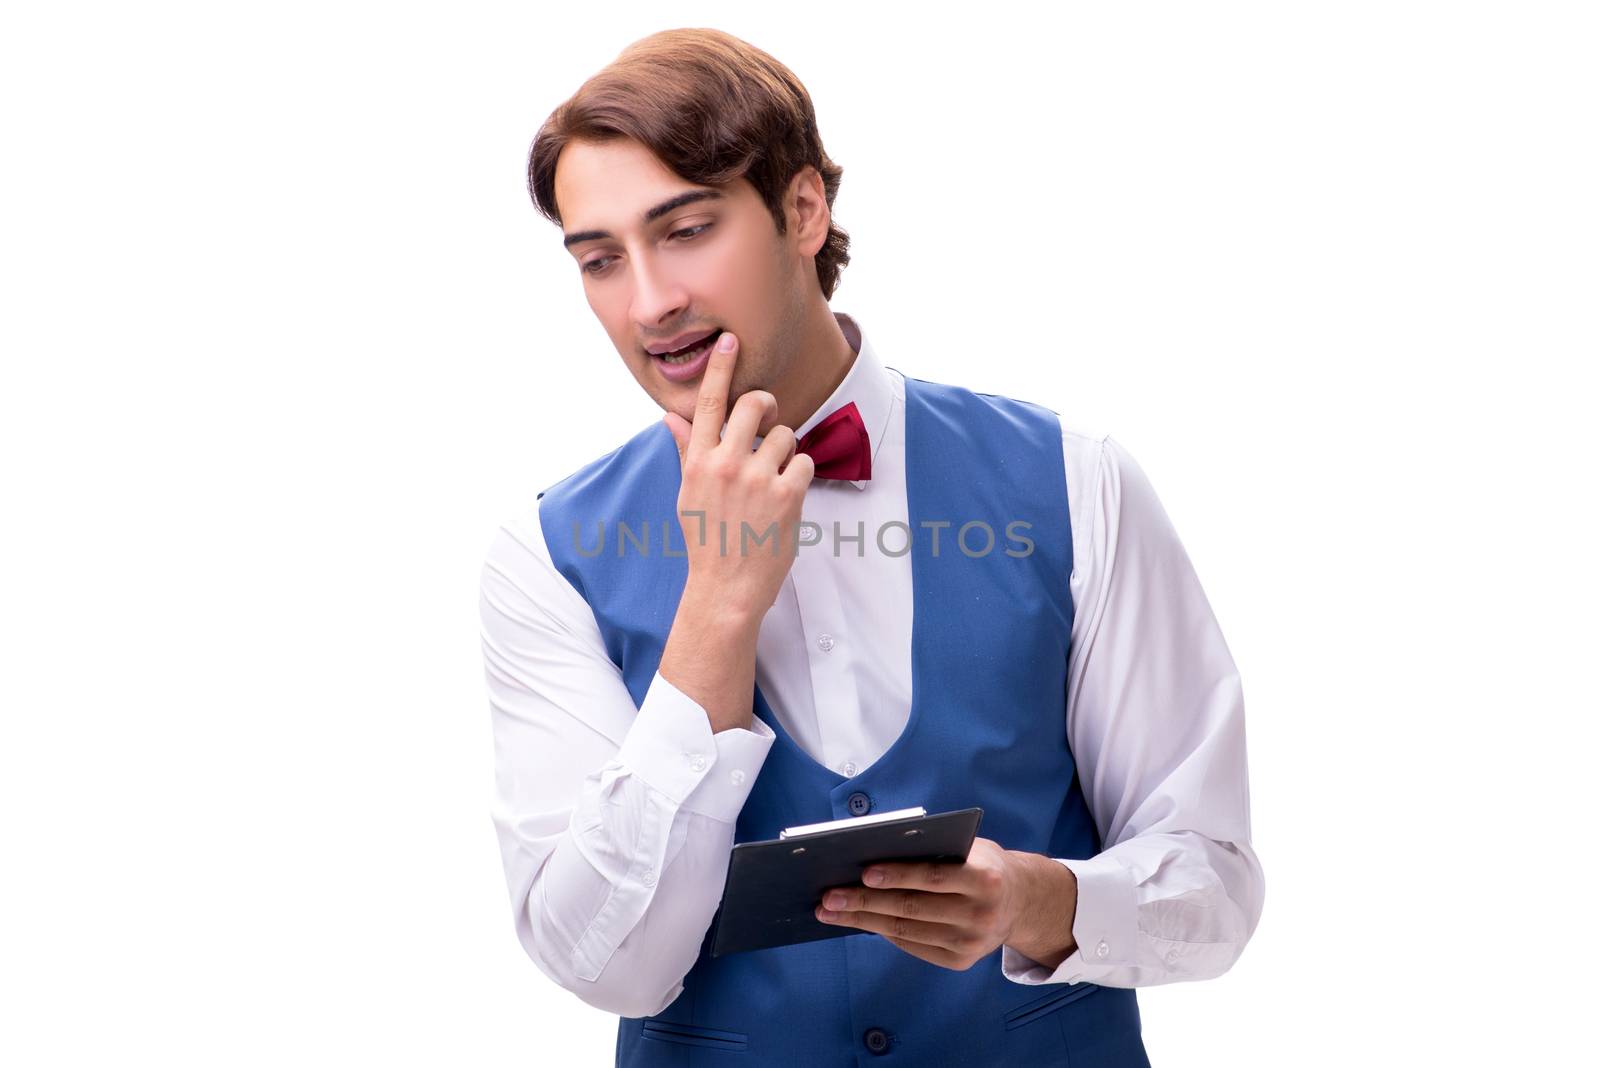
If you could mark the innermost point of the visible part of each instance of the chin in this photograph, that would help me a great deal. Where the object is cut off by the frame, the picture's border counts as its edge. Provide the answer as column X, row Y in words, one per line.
column 682, row 405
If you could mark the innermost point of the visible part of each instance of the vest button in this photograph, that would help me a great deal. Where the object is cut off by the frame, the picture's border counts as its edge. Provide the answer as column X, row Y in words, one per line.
column 877, row 1040
column 860, row 804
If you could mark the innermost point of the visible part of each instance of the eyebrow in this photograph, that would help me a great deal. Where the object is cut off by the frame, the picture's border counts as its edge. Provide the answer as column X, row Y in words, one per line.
column 650, row 216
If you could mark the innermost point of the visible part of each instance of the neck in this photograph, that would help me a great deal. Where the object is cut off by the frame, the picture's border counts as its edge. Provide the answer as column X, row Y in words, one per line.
column 825, row 357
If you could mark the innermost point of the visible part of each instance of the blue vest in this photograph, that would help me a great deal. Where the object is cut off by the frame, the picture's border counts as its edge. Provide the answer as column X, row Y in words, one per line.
column 987, row 728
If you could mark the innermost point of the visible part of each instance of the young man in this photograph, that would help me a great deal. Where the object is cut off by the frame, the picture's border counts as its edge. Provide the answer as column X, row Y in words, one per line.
column 966, row 604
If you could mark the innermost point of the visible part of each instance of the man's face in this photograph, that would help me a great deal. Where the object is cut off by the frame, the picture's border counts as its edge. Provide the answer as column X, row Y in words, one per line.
column 703, row 265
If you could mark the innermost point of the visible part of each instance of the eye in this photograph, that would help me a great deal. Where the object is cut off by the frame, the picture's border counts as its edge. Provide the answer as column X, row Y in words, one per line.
column 599, row 264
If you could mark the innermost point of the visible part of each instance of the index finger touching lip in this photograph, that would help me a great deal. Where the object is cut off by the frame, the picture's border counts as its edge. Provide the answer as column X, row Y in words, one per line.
column 712, row 409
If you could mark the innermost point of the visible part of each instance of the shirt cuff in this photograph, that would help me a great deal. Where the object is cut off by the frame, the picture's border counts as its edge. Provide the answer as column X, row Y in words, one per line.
column 1105, row 927
column 670, row 746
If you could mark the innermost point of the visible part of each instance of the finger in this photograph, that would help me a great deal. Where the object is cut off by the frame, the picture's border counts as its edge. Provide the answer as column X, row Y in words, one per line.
column 750, row 411
column 800, row 470
column 912, row 904
column 768, row 421
column 939, row 877
column 937, row 935
column 712, row 405
column 680, row 429
column 776, row 447
column 932, row 954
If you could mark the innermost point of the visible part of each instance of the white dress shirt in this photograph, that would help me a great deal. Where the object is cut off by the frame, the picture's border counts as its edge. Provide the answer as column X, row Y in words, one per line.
column 615, row 823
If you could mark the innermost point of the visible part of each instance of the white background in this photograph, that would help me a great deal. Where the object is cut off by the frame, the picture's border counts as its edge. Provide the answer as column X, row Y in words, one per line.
column 284, row 341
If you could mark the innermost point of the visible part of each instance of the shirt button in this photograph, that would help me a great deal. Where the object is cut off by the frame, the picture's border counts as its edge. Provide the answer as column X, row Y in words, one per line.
column 825, row 642
column 649, row 877
column 849, row 767
column 697, row 761
column 737, row 776
column 1102, row 950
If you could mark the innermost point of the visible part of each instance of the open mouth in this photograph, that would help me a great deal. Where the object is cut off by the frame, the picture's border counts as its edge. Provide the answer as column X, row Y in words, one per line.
column 693, row 352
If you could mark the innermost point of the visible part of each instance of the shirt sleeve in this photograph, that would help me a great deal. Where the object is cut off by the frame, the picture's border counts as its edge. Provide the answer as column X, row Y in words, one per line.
column 615, row 823
column 1155, row 719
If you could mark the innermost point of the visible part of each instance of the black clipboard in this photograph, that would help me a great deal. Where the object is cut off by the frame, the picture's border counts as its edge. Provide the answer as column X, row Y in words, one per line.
column 774, row 887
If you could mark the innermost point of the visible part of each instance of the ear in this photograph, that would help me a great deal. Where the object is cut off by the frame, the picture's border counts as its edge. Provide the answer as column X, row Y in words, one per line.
column 807, row 210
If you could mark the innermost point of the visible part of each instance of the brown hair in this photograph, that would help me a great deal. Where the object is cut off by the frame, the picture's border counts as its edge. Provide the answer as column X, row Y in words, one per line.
column 713, row 109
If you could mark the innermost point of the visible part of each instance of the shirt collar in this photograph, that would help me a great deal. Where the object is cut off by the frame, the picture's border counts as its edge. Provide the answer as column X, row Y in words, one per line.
column 867, row 384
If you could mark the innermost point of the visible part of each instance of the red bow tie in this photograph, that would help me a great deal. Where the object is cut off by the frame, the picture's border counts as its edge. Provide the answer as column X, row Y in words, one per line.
column 839, row 446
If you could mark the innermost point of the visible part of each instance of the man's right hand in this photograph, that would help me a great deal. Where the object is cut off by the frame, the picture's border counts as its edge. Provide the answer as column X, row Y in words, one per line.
column 739, row 506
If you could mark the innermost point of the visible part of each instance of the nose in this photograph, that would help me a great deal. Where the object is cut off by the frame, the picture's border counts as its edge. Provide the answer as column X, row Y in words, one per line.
column 657, row 295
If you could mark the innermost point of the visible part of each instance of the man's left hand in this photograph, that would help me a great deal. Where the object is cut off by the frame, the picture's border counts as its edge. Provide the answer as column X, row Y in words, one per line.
column 954, row 915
